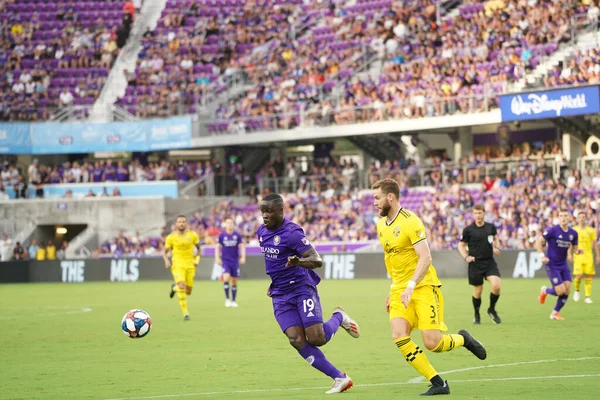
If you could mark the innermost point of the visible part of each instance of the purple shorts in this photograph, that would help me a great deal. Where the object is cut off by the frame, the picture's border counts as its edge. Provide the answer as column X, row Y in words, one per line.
column 302, row 307
column 233, row 270
column 558, row 274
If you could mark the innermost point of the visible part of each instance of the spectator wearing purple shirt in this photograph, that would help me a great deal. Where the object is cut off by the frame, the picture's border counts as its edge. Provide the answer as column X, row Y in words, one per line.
column 97, row 172
column 122, row 172
column 110, row 172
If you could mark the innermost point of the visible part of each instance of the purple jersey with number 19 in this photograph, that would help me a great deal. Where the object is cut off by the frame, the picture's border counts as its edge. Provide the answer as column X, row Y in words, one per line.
column 293, row 289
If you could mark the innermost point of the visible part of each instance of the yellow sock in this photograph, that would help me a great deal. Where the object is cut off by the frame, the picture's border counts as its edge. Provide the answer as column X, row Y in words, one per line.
column 415, row 357
column 588, row 287
column 181, row 296
column 577, row 283
column 449, row 342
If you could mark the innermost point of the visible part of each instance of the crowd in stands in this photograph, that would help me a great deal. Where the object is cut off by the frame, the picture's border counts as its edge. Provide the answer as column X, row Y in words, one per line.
column 581, row 68
column 331, row 207
column 57, row 54
column 11, row 250
column 429, row 66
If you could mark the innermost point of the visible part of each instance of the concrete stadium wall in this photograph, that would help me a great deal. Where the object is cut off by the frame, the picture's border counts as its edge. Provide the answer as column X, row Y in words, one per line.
column 512, row 264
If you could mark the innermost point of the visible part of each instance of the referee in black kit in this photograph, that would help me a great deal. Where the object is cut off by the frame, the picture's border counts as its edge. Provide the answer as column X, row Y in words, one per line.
column 482, row 242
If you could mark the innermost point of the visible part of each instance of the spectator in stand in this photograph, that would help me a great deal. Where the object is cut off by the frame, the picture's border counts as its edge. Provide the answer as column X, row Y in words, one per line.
column 33, row 248
column 19, row 252
column 40, row 255
column 50, row 251
column 61, row 254
column 6, row 248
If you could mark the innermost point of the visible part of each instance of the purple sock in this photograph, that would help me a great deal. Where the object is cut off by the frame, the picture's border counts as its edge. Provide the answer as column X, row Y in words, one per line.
column 551, row 291
column 233, row 292
column 330, row 327
column 560, row 303
column 226, row 287
column 316, row 359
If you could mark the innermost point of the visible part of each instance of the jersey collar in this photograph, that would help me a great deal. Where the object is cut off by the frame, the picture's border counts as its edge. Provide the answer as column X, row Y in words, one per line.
column 392, row 221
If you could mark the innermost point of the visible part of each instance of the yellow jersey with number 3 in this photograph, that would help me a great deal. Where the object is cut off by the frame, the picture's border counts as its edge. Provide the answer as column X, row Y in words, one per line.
column 398, row 239
column 586, row 237
column 182, row 248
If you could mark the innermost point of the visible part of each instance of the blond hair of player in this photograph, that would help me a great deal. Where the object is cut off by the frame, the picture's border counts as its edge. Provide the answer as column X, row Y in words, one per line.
column 181, row 244
column 415, row 299
column 583, row 264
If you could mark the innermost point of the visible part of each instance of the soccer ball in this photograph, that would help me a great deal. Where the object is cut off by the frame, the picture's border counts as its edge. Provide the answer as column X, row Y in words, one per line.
column 136, row 324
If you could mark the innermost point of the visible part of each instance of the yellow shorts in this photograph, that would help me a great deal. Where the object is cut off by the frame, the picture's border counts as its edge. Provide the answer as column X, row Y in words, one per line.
column 584, row 268
column 425, row 310
column 181, row 274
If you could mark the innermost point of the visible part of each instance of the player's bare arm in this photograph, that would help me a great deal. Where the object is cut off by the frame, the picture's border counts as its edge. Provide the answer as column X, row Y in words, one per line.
column 539, row 246
column 310, row 260
column 462, row 249
column 577, row 250
column 570, row 254
column 424, row 253
column 597, row 251
column 166, row 257
column 218, row 248
column 197, row 258
column 242, row 248
column 496, row 245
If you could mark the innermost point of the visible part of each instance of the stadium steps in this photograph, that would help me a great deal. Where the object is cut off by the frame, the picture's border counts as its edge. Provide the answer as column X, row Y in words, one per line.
column 380, row 147
column 81, row 244
column 116, row 83
column 583, row 42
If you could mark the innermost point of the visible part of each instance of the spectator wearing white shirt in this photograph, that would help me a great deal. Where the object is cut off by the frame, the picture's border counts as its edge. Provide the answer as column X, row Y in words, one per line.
column 18, row 87
column 66, row 98
column 6, row 248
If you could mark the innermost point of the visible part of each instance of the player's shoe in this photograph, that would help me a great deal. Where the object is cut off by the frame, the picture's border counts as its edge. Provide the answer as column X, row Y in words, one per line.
column 234, row 304
column 494, row 316
column 556, row 316
column 227, row 303
column 348, row 323
column 477, row 319
column 186, row 317
column 340, row 385
column 588, row 300
column 576, row 296
column 172, row 291
column 473, row 345
column 543, row 294
column 435, row 390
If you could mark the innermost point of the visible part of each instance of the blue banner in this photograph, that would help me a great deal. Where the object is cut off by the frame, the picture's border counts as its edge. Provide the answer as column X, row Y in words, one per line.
column 15, row 138
column 74, row 138
column 550, row 103
column 126, row 189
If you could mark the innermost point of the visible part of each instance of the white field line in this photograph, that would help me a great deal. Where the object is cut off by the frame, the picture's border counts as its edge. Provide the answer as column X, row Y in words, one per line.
column 53, row 312
column 413, row 381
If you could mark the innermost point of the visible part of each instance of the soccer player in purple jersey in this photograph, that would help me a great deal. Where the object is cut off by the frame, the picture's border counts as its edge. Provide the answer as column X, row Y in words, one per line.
column 290, row 260
column 559, row 238
column 230, row 253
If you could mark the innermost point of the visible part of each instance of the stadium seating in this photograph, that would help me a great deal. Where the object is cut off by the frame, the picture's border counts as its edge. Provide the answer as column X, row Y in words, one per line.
column 54, row 48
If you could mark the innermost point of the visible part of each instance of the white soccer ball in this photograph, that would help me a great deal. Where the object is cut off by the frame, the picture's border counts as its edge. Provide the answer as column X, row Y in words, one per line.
column 136, row 324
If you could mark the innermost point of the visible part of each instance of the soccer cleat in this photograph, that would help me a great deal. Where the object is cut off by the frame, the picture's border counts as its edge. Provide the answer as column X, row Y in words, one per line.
column 588, row 300
column 227, row 303
column 576, row 296
column 556, row 316
column 186, row 317
column 477, row 319
column 435, row 390
column 348, row 323
column 473, row 345
column 172, row 291
column 494, row 316
column 234, row 304
column 543, row 294
column 340, row 385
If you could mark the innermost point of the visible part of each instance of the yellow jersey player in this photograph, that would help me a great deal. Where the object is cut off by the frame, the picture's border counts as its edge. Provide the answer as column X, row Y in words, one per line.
column 583, row 264
column 181, row 244
column 415, row 299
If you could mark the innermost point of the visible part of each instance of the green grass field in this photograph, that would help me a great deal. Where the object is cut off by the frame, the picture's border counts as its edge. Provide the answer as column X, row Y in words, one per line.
column 52, row 349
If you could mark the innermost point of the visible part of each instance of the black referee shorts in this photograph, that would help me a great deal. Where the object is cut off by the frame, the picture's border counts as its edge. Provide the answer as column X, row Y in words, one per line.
column 481, row 269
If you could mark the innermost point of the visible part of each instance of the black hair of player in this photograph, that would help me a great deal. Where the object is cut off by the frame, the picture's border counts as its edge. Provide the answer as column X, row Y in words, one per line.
column 181, row 216
column 271, row 208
